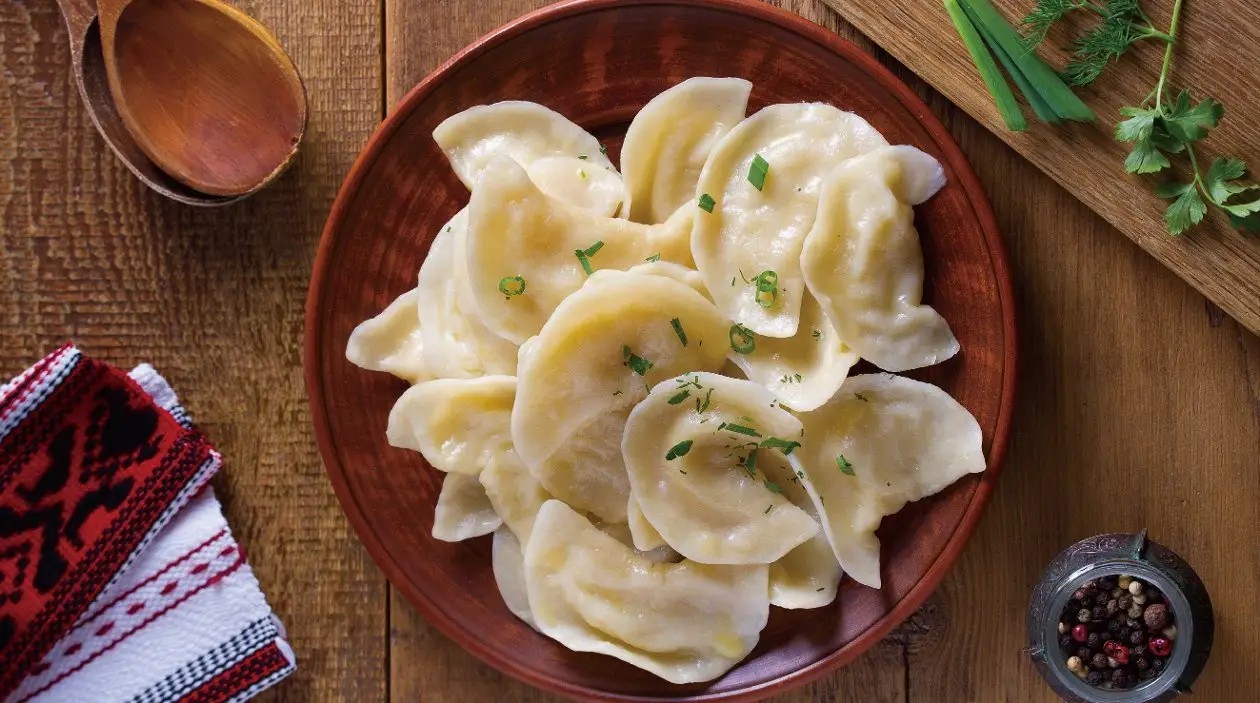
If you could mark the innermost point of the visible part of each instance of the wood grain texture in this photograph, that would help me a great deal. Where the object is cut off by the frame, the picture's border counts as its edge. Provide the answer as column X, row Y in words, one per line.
column 1217, row 260
column 213, row 298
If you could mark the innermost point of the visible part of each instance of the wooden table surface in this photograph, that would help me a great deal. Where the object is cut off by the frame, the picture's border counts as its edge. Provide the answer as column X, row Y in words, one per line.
column 1139, row 404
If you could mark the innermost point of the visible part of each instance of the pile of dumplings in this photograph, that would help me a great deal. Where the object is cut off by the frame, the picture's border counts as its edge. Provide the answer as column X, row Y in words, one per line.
column 639, row 381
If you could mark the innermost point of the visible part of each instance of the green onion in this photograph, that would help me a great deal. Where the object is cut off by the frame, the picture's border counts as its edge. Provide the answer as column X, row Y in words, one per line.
column 768, row 509
column 706, row 202
column 593, row 249
column 782, row 445
column 512, row 286
column 680, row 397
column 742, row 430
column 1040, row 107
column 773, row 487
column 750, row 463
column 603, row 150
column 582, row 259
column 742, row 339
column 767, row 288
column 757, row 171
column 653, row 258
column 582, row 157
column 845, row 467
column 701, row 408
column 678, row 330
column 1003, row 97
column 636, row 363
column 678, row 450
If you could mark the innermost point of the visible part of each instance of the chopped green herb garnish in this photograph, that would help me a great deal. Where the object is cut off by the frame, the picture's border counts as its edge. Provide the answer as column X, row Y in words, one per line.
column 750, row 463
column 845, row 467
column 584, row 260
column 757, row 171
column 603, row 150
column 679, row 397
column 582, row 157
column 742, row 339
column 768, row 509
column 742, row 430
column 682, row 471
column 817, row 334
column 617, row 393
column 678, row 450
column 782, row 445
column 593, row 249
column 820, row 590
column 636, row 363
column 653, row 258
column 512, row 286
column 861, row 397
column 706, row 202
column 732, row 281
column 678, row 330
column 703, row 407
column 582, row 173
column 773, row 487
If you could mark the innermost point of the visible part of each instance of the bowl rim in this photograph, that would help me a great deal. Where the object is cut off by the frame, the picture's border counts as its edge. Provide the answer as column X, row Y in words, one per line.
column 951, row 152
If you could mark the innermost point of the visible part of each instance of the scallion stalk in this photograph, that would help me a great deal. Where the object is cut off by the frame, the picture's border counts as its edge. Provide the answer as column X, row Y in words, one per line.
column 1003, row 96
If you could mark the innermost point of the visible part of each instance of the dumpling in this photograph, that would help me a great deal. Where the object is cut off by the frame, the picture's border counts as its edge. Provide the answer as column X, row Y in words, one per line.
column 519, row 237
column 692, row 448
column 751, row 230
column 882, row 442
column 507, row 560
column 456, row 343
column 684, row 622
column 669, row 140
column 463, row 512
column 459, row 425
column 809, row 575
column 621, row 532
column 863, row 261
column 391, row 342
column 590, row 364
column 513, row 491
column 579, row 182
column 521, row 131
column 678, row 272
column 643, row 536
column 804, row 370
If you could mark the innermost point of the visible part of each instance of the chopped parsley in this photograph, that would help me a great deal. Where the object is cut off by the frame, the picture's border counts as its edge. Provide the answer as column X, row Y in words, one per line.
column 782, row 445
column 794, row 378
column 757, row 171
column 512, row 286
column 740, row 429
column 845, row 467
column 703, row 407
column 742, row 339
column 636, row 363
column 678, row 450
column 679, row 397
column 750, row 463
column 706, row 202
column 678, row 330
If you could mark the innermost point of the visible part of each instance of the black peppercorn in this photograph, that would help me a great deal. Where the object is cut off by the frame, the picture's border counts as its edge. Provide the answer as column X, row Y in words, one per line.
column 1099, row 661
column 1065, row 642
column 1107, row 582
column 1095, row 641
column 1137, row 638
column 1143, row 663
column 1157, row 664
column 1139, row 650
column 1098, row 613
column 1084, row 653
column 1117, row 676
column 1156, row 616
column 1125, row 602
column 1094, row 678
column 1102, row 598
column 1124, row 633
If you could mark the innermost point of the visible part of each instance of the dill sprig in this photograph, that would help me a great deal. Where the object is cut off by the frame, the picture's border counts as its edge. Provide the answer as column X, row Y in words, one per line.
column 1122, row 23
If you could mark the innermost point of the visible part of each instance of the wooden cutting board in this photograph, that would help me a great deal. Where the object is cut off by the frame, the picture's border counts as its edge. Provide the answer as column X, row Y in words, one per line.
column 1217, row 55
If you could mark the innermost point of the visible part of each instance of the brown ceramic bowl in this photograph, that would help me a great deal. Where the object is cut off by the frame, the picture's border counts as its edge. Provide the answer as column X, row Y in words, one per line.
column 598, row 62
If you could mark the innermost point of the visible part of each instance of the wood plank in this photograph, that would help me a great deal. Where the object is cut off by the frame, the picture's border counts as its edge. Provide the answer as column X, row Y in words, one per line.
column 1116, row 430
column 1217, row 260
column 213, row 298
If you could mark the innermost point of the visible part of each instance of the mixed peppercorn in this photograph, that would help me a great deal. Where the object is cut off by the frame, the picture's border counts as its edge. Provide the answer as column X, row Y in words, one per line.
column 1117, row 632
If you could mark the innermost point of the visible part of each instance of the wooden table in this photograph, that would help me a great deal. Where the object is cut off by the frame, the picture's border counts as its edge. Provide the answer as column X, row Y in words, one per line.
column 1139, row 404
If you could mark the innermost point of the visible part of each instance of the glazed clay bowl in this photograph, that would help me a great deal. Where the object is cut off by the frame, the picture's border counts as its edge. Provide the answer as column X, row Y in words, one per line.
column 598, row 62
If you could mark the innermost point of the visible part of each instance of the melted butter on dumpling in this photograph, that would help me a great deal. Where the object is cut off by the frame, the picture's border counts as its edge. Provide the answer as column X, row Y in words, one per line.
column 392, row 341
column 750, row 230
column 521, row 131
column 457, row 424
column 590, row 364
column 692, row 452
column 669, row 140
column 863, row 262
column 684, row 622
column 882, row 442
column 515, row 230
column 463, row 511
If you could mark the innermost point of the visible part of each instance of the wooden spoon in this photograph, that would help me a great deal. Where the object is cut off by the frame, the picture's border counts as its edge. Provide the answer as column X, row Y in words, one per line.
column 205, row 90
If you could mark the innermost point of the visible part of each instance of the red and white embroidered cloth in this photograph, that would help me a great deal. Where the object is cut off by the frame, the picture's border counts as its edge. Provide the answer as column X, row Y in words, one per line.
column 119, row 577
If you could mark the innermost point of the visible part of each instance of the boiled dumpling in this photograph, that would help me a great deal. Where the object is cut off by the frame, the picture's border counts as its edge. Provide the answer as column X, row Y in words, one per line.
column 507, row 561
column 751, row 231
column 521, row 131
column 671, row 137
column 692, row 448
column 809, row 575
column 643, row 536
column 519, row 237
column 590, row 364
column 684, row 622
column 457, row 424
column 513, row 491
column 391, row 342
column 579, row 183
column 882, row 442
column 463, row 511
column 456, row 343
column 804, row 370
column 863, row 261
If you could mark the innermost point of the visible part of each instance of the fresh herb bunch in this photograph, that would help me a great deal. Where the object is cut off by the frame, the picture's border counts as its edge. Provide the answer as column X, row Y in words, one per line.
column 1162, row 125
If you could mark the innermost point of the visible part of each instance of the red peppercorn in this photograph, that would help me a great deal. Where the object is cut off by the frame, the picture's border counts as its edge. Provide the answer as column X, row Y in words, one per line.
column 1121, row 654
column 1080, row 633
column 1160, row 646
column 1110, row 647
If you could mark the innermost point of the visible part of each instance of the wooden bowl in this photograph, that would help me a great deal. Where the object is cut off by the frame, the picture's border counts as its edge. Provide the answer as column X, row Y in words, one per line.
column 598, row 62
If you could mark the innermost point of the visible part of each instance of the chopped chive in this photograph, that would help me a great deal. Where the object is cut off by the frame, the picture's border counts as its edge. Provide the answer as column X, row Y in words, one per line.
column 732, row 281
column 678, row 450
column 706, row 202
column 679, row 397
column 742, row 430
column 773, row 487
column 820, row 590
column 512, row 286
column 636, row 363
column 603, row 150
column 782, row 445
column 742, row 339
column 582, row 173
column 768, row 508
column 653, row 258
column 999, row 89
column 682, row 471
column 582, row 259
column 757, row 171
column 845, row 467
column 767, row 280
column 678, row 330
column 593, row 249
column 703, row 407
column 750, row 463
column 765, row 298
column 582, row 157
